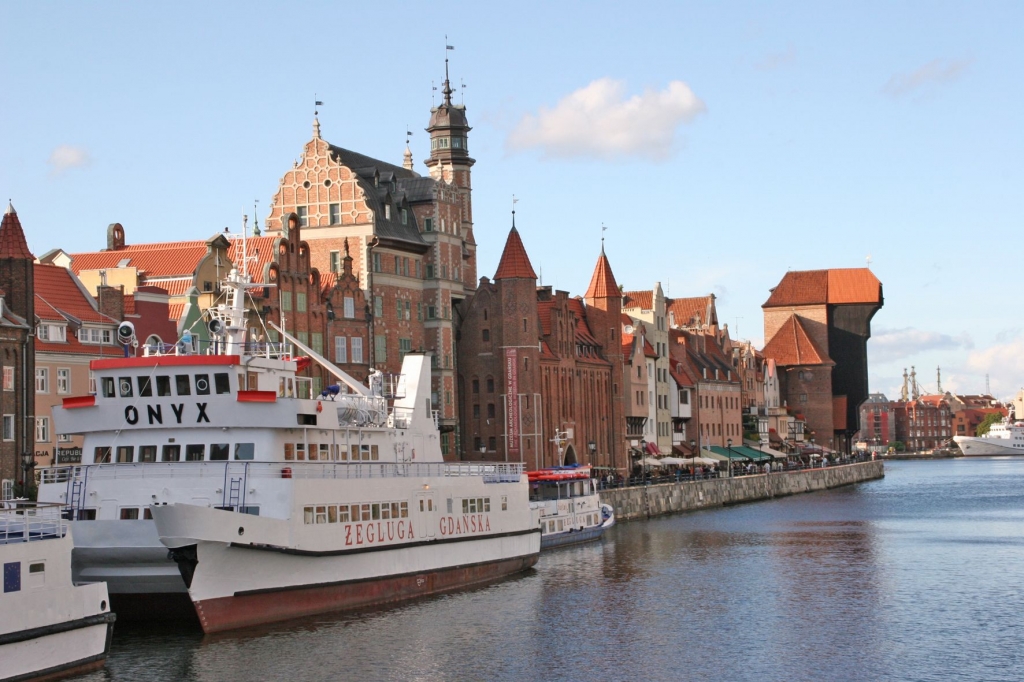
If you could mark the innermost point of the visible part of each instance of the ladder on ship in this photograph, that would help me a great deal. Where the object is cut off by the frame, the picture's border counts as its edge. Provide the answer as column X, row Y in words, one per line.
column 235, row 476
column 75, row 496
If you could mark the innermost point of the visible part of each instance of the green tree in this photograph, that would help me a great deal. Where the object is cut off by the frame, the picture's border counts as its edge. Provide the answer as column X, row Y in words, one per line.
column 987, row 422
column 897, row 445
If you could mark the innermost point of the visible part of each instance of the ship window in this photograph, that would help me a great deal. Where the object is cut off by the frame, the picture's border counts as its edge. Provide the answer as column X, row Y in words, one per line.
column 307, row 515
column 504, row 503
column 195, row 452
column 289, row 451
column 343, row 513
column 313, row 450
column 404, row 507
column 364, row 512
column 181, row 382
column 332, row 513
column 245, row 450
column 108, row 387
column 39, row 567
column 219, row 451
column 147, row 453
column 325, row 452
column 147, row 514
column 171, row 453
column 163, row 385
column 222, row 382
column 354, row 509
column 125, row 453
column 101, row 455
column 125, row 384
column 145, row 387
column 321, row 514
column 202, row 384
column 375, row 511
column 253, row 510
column 129, row 513
column 300, row 451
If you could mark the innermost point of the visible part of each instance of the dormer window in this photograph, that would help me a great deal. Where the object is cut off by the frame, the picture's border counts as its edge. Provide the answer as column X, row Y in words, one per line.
column 387, row 211
column 405, row 217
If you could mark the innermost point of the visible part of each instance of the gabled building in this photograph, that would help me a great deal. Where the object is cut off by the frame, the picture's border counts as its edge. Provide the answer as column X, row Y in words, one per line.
column 638, row 382
column 649, row 307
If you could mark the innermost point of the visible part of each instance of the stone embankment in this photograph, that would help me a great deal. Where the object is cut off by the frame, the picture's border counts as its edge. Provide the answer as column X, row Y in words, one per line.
column 668, row 498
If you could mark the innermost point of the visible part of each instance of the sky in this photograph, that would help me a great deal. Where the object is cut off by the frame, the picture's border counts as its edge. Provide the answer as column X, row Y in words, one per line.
column 721, row 144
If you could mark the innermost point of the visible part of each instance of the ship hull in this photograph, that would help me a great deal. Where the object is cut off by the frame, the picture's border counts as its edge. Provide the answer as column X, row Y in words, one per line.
column 986, row 447
column 270, row 605
column 572, row 537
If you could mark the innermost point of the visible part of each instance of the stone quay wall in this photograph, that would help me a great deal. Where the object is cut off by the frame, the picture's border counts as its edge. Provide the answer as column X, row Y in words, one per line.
column 640, row 502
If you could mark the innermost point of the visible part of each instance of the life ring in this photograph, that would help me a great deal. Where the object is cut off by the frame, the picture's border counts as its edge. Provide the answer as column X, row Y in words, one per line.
column 319, row 406
column 286, row 472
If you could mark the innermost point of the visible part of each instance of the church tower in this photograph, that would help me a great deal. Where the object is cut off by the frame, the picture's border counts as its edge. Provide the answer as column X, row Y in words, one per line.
column 604, row 312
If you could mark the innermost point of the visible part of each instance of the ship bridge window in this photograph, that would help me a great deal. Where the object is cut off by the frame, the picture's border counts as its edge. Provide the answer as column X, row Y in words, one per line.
column 222, row 382
column 101, row 455
column 365, row 453
column 182, row 384
column 202, row 384
column 145, row 387
column 195, row 452
column 108, row 387
column 245, row 450
column 171, row 453
column 147, row 453
column 163, row 385
column 475, row 505
column 125, row 453
column 129, row 513
column 125, row 384
column 219, row 451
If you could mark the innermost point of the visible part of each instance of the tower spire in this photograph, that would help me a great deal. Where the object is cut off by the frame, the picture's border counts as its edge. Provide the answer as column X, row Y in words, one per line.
column 447, row 89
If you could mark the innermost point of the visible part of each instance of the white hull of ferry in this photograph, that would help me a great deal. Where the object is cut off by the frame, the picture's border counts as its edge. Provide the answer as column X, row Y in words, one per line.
column 244, row 570
column 50, row 628
column 988, row 447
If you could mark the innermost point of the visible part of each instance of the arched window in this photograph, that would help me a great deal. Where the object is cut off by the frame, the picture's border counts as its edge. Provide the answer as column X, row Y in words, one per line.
column 490, row 384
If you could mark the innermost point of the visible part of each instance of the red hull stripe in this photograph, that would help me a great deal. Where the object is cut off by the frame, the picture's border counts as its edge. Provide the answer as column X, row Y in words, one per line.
column 165, row 361
column 79, row 401
column 257, row 397
column 270, row 606
column 384, row 548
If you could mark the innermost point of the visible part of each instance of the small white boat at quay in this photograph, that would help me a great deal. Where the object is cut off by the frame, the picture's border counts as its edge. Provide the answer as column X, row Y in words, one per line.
column 569, row 506
column 49, row 628
column 275, row 502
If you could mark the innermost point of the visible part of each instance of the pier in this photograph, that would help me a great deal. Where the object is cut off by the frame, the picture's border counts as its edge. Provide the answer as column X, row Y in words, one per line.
column 645, row 501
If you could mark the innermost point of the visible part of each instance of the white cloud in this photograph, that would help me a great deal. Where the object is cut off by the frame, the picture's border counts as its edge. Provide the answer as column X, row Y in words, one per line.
column 1004, row 363
column 600, row 121
column 775, row 60
column 936, row 71
column 66, row 157
column 887, row 345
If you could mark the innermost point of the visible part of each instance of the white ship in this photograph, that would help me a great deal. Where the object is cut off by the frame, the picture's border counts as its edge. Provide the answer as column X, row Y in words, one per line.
column 276, row 503
column 569, row 505
column 49, row 628
column 1004, row 438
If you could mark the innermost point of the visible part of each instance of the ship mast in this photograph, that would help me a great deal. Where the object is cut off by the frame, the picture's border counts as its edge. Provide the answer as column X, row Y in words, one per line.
column 227, row 320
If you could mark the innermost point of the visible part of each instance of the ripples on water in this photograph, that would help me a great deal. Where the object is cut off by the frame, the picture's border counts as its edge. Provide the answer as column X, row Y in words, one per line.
column 915, row 577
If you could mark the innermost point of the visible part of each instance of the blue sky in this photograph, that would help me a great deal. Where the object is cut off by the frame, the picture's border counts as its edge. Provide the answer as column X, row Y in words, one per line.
column 721, row 145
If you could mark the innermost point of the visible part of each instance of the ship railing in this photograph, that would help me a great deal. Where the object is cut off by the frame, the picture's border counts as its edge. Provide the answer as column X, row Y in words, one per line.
column 490, row 472
column 25, row 521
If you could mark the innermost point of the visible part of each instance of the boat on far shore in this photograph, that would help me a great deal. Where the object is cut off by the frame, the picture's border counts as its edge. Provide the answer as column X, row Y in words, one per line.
column 568, row 506
column 1004, row 438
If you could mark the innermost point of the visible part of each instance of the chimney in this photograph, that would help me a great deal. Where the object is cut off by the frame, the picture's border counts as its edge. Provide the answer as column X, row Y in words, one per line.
column 111, row 301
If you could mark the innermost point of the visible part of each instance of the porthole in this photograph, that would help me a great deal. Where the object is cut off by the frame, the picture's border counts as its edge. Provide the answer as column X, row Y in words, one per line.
column 327, row 182
column 103, row 605
column 241, row 531
column 306, row 184
column 202, row 386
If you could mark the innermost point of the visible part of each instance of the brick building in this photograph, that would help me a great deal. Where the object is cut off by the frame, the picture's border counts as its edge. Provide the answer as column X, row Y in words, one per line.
column 923, row 424
column 822, row 319
column 717, row 402
column 17, row 318
column 541, row 372
column 410, row 239
column 877, row 420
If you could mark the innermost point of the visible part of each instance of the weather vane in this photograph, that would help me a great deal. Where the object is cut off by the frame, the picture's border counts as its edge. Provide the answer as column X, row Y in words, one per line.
column 316, row 103
column 514, row 202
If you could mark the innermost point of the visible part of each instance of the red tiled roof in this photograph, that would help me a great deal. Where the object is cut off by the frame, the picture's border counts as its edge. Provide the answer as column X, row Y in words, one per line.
column 681, row 378
column 514, row 263
column 545, row 351
column 627, row 345
column 582, row 330
column 327, row 280
column 792, row 345
column 174, row 311
column 57, row 288
column 176, row 286
column 164, row 259
column 12, row 237
column 644, row 300
column 129, row 305
column 836, row 286
column 649, row 349
column 544, row 309
column 684, row 310
column 602, row 282
column 265, row 251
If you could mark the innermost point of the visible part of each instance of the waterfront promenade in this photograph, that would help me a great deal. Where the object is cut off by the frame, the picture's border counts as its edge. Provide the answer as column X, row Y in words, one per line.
column 645, row 501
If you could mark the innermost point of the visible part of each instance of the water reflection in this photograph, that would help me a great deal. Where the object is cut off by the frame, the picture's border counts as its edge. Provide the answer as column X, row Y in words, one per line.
column 911, row 578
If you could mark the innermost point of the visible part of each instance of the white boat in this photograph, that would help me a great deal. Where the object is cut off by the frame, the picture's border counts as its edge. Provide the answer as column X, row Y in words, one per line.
column 49, row 627
column 569, row 506
column 1005, row 437
column 276, row 503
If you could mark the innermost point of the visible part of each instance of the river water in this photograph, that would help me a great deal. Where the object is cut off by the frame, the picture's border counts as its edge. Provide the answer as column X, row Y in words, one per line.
column 919, row 576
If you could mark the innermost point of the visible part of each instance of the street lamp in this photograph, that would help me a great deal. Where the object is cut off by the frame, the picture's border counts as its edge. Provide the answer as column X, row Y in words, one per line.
column 643, row 460
column 28, row 462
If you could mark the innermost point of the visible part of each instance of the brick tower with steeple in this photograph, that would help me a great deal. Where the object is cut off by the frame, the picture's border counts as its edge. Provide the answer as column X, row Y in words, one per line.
column 17, row 320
